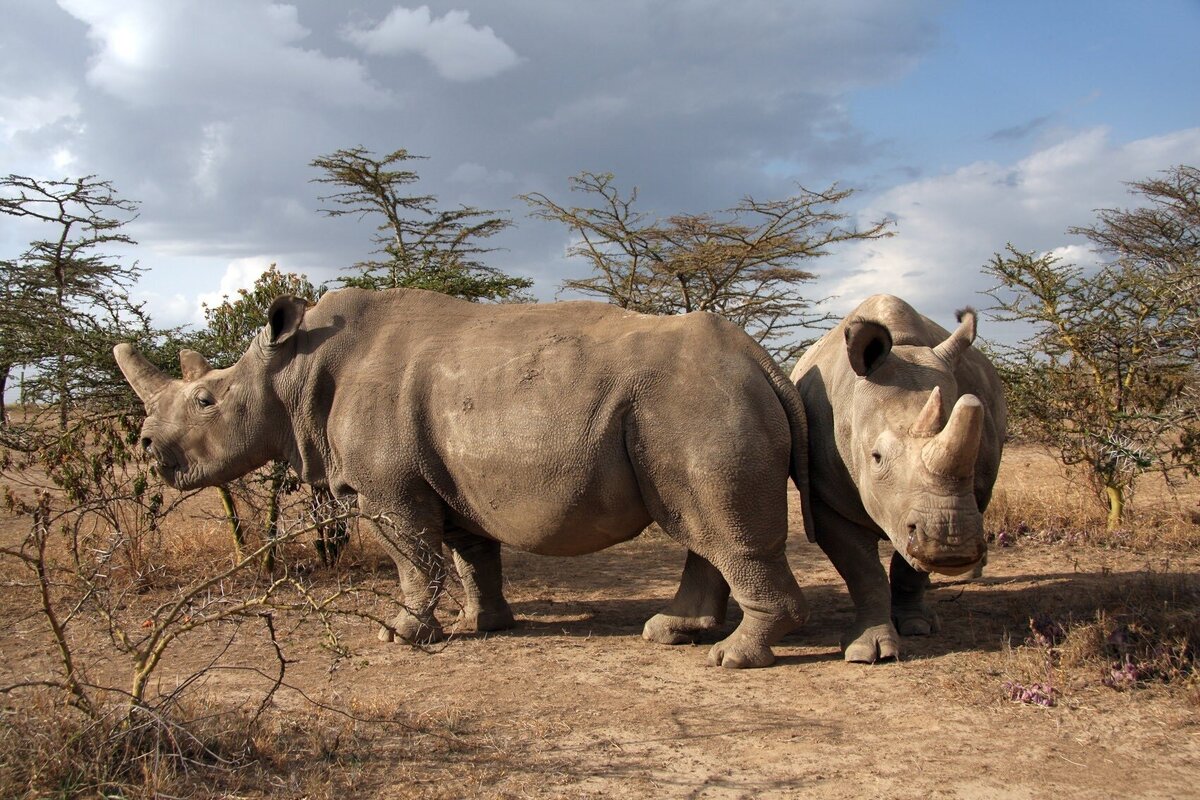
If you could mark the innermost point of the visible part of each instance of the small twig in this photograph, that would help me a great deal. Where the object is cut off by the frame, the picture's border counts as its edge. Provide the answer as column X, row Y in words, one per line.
column 283, row 662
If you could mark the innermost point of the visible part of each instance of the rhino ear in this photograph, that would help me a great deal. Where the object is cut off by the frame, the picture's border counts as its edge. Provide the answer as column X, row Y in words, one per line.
column 284, row 318
column 954, row 346
column 867, row 345
column 193, row 365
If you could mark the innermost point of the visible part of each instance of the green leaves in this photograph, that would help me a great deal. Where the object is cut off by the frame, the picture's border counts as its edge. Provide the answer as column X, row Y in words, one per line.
column 422, row 246
column 1108, row 375
column 233, row 323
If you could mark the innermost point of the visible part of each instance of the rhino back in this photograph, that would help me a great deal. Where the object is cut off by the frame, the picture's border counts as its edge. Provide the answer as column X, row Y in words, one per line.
column 523, row 418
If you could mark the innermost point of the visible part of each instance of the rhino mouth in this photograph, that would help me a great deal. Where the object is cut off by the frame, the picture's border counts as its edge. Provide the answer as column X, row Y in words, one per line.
column 169, row 472
column 170, row 468
column 181, row 478
column 949, row 566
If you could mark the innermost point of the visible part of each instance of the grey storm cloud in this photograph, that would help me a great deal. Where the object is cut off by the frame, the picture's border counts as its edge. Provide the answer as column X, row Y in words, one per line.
column 209, row 113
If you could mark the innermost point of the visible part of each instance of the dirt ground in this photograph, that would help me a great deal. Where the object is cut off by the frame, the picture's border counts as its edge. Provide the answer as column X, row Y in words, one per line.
column 575, row 704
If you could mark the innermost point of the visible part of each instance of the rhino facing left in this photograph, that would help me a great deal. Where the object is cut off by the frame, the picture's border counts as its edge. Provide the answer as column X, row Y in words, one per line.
column 559, row 429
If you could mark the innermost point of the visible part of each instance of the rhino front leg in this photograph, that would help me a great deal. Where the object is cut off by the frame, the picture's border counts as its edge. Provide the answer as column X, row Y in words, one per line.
column 477, row 561
column 414, row 542
column 910, row 612
column 854, row 551
column 699, row 605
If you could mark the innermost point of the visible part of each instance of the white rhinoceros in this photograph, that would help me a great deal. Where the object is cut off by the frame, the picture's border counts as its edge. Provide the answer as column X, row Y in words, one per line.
column 906, row 423
column 559, row 429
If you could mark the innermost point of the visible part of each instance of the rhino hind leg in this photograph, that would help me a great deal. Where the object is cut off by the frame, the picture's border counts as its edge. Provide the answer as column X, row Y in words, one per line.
column 698, row 606
column 910, row 611
column 772, row 607
column 854, row 551
column 477, row 561
column 746, row 550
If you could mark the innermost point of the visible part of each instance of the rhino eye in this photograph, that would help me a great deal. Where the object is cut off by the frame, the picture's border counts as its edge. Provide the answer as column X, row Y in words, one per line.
column 204, row 401
column 876, row 456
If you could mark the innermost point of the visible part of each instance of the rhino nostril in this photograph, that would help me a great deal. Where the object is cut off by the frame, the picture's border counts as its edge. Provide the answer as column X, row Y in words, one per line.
column 912, row 528
column 146, row 443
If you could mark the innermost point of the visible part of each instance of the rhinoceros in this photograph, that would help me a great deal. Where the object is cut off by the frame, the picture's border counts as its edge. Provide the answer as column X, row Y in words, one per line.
column 906, row 423
column 560, row 429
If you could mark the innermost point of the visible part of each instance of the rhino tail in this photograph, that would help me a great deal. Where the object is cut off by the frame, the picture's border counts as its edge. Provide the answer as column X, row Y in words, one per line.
column 793, row 407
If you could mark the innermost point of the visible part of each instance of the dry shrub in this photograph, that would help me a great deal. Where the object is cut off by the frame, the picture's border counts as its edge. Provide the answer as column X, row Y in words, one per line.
column 1055, row 504
column 212, row 750
column 1140, row 632
column 48, row 749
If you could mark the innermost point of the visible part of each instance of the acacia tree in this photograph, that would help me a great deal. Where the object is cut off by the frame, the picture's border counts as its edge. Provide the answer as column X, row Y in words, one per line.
column 422, row 246
column 16, row 329
column 65, row 300
column 744, row 263
column 1108, row 376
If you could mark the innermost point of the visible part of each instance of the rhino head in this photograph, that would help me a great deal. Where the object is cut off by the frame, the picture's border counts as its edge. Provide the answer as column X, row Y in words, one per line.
column 214, row 425
column 912, row 457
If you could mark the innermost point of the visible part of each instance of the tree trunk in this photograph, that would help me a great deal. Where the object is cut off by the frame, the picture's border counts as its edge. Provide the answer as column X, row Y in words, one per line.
column 62, row 394
column 278, row 473
column 1116, row 506
column 4, row 371
column 235, row 522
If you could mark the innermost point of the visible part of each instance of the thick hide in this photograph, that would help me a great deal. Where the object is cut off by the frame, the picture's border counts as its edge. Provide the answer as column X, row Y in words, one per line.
column 561, row 429
column 906, row 423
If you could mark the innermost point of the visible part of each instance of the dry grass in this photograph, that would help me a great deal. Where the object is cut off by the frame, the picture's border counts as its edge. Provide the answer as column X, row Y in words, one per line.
column 1134, row 637
column 1038, row 499
column 46, row 750
column 1142, row 632
column 1137, row 633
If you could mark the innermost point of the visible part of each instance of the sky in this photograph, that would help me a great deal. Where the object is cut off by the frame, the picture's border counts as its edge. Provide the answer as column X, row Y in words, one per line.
column 969, row 124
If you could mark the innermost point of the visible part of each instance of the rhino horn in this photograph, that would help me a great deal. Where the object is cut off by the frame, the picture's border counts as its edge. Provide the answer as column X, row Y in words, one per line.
column 194, row 365
column 932, row 418
column 146, row 379
column 953, row 451
column 949, row 350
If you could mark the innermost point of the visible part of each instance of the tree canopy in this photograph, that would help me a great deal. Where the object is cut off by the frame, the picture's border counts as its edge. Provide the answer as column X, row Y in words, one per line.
column 746, row 263
column 65, row 301
column 1108, row 375
column 422, row 246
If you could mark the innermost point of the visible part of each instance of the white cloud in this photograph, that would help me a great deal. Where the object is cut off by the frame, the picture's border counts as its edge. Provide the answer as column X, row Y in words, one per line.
column 245, row 52
column 31, row 113
column 239, row 274
column 214, row 151
column 458, row 50
column 169, row 310
column 949, row 225
column 62, row 159
column 1078, row 254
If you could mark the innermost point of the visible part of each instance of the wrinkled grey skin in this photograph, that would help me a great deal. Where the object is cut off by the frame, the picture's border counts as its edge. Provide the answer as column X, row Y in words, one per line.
column 560, row 429
column 906, row 424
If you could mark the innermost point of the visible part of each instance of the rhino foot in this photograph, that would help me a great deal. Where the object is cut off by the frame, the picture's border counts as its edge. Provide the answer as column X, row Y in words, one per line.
column 917, row 619
column 736, row 652
column 666, row 629
column 408, row 628
column 483, row 621
column 866, row 645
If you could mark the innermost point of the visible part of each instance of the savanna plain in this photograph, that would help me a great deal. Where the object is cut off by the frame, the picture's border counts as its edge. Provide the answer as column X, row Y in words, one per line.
column 1066, row 670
